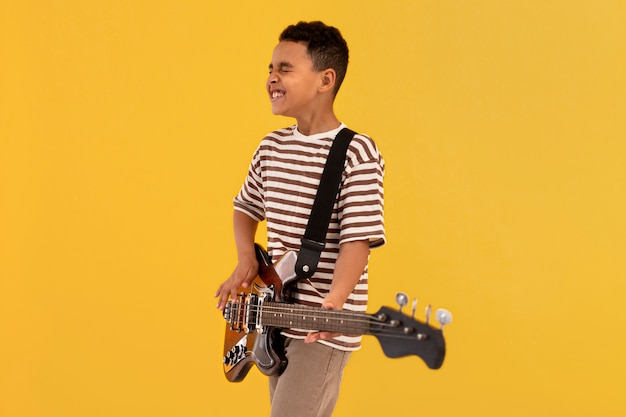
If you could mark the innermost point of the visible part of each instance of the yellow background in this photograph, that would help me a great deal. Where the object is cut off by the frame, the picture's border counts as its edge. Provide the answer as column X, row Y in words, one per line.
column 126, row 128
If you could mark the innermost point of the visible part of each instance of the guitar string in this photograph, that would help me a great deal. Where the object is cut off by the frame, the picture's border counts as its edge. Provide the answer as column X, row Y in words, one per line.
column 312, row 312
column 357, row 318
column 315, row 313
column 385, row 330
column 321, row 316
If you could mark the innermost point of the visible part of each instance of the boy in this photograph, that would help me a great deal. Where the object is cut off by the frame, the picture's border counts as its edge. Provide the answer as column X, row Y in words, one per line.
column 307, row 68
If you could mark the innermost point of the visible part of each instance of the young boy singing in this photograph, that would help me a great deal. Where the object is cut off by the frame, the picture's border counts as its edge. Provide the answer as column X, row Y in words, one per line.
column 306, row 71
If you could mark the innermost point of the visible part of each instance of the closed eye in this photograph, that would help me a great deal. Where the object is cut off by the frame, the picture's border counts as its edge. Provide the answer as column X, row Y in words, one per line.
column 283, row 67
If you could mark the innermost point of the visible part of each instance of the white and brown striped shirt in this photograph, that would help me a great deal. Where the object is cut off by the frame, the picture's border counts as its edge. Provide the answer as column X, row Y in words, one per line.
column 280, row 188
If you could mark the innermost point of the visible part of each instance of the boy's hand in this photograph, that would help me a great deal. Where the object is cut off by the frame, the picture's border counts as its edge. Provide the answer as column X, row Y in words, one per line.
column 315, row 336
column 245, row 271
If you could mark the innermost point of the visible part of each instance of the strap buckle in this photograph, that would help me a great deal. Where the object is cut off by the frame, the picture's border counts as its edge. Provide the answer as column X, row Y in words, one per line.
column 308, row 257
column 312, row 244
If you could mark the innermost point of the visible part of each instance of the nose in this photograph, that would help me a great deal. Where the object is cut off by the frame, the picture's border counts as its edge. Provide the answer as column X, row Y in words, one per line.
column 272, row 78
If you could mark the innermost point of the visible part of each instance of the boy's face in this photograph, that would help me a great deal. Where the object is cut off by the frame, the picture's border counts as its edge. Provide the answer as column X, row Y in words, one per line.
column 292, row 84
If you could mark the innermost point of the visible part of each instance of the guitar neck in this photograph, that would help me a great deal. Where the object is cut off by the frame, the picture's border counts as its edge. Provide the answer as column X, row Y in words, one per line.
column 297, row 316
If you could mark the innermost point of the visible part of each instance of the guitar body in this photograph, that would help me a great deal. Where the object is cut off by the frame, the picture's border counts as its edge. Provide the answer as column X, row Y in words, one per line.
column 245, row 346
column 243, row 350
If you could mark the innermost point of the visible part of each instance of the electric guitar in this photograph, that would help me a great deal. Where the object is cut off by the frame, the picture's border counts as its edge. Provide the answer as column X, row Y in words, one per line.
column 256, row 316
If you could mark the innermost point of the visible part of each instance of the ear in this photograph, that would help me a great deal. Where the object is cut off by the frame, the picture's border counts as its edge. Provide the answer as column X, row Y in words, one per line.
column 328, row 78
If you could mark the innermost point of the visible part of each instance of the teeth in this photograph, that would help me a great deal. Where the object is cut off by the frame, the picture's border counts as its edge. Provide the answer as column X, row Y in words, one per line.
column 277, row 94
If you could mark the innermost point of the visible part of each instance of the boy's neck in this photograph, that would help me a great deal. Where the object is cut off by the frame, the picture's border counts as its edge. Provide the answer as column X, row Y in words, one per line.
column 317, row 124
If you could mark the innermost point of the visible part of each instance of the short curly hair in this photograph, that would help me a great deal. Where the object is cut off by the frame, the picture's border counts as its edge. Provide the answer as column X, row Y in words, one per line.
column 325, row 45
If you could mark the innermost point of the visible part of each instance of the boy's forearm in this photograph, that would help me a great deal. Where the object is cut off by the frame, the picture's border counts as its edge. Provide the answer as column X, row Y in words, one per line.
column 244, row 228
column 348, row 270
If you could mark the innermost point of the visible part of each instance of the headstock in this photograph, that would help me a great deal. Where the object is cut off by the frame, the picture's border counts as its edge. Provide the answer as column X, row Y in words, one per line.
column 402, row 335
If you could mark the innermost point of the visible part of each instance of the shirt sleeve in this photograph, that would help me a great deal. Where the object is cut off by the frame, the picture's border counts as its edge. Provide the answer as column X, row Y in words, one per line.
column 250, row 199
column 361, row 198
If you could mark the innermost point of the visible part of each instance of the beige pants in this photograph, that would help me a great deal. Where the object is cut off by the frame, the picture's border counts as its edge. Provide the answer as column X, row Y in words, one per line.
column 309, row 386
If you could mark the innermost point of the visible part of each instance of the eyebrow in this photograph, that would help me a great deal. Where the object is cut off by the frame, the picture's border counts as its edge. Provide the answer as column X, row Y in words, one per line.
column 282, row 65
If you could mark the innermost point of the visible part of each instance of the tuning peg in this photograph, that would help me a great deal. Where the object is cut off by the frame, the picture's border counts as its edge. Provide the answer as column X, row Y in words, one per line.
column 443, row 317
column 429, row 308
column 413, row 308
column 402, row 299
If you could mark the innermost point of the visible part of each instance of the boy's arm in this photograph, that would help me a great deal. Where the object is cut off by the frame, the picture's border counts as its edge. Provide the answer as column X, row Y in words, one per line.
column 244, row 228
column 349, row 267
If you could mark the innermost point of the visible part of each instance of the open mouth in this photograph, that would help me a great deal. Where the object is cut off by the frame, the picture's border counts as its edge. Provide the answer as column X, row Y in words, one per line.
column 276, row 94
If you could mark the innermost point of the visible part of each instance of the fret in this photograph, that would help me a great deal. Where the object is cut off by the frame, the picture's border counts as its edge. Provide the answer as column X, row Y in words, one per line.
column 310, row 318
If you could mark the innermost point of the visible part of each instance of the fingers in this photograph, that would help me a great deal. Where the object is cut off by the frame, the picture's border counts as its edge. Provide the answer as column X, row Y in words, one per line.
column 315, row 336
column 240, row 278
column 228, row 289
column 222, row 299
column 312, row 337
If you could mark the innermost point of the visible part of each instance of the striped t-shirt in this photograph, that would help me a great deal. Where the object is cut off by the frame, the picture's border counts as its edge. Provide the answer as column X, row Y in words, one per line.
column 280, row 188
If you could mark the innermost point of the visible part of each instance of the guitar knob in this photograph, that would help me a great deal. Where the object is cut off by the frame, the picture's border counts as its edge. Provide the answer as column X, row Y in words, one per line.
column 402, row 299
column 443, row 317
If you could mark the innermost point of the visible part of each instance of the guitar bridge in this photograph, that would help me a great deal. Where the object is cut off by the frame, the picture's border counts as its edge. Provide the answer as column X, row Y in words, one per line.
column 243, row 313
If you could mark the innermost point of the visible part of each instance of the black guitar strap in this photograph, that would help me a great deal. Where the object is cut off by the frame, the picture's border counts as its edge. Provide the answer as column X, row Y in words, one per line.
column 314, row 239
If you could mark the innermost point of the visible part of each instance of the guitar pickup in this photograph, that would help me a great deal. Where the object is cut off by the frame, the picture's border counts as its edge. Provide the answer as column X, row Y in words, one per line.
column 252, row 312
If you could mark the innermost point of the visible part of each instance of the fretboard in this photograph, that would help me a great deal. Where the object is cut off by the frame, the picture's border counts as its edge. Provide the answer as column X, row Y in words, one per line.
column 297, row 316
